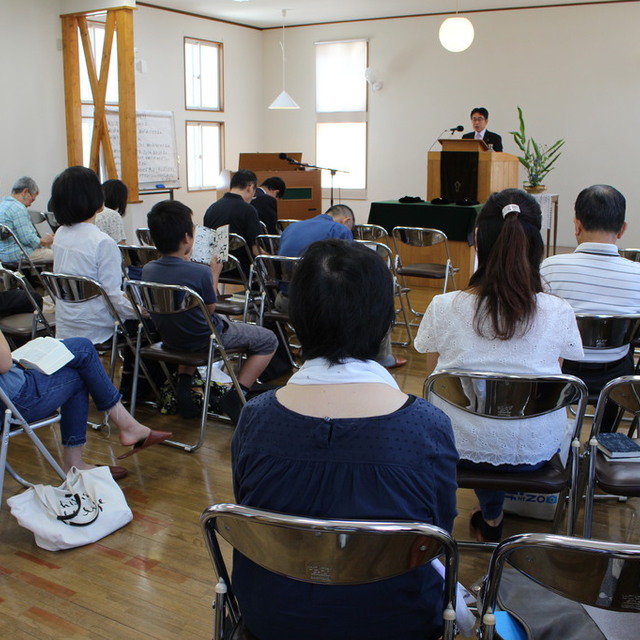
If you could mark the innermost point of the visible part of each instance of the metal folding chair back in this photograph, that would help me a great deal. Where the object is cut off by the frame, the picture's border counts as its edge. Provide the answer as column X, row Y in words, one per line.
column 137, row 257
column 24, row 325
column 399, row 291
column 607, row 331
column 592, row 572
column 617, row 477
column 268, row 243
column 13, row 425
column 505, row 397
column 79, row 289
column 370, row 232
column 631, row 254
column 342, row 551
column 281, row 225
column 5, row 234
column 174, row 300
column 144, row 237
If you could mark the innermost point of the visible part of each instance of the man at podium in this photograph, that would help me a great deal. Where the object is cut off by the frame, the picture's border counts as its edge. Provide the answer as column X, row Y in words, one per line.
column 479, row 122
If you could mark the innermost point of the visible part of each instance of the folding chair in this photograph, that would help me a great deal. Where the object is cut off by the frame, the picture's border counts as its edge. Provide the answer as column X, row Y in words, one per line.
column 24, row 326
column 398, row 291
column 269, row 244
column 281, row 225
column 615, row 477
column 174, row 300
column 595, row 573
column 371, row 232
column 135, row 257
column 417, row 237
column 144, row 237
column 13, row 425
column 505, row 397
column 631, row 254
column 34, row 268
column 271, row 272
column 78, row 289
column 327, row 552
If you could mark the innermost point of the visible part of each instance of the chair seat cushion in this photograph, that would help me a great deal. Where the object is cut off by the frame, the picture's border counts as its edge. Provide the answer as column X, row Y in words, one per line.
column 423, row 270
column 17, row 324
column 551, row 478
column 276, row 316
column 230, row 308
column 619, row 478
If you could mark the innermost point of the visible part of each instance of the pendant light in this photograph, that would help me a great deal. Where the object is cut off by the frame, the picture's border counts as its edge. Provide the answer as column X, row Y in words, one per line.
column 284, row 100
column 456, row 34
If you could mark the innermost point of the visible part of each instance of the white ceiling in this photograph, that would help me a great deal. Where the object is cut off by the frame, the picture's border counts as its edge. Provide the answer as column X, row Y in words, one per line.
column 268, row 13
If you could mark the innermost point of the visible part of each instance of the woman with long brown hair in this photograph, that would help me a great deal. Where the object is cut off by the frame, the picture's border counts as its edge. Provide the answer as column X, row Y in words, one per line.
column 503, row 322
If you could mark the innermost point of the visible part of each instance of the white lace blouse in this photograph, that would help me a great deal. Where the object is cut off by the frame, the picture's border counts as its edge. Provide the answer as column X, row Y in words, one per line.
column 447, row 329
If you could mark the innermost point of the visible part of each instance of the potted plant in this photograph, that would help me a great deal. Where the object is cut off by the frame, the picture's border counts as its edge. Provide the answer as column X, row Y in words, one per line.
column 538, row 159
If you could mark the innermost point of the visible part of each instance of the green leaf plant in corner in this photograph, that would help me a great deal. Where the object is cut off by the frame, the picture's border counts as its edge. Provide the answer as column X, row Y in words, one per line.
column 538, row 159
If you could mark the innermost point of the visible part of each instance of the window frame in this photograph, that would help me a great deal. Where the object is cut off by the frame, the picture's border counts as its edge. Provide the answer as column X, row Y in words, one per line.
column 220, row 47
column 221, row 151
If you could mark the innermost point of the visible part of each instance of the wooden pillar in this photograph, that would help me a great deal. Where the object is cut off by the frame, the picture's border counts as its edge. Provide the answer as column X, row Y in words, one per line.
column 127, row 98
column 73, row 104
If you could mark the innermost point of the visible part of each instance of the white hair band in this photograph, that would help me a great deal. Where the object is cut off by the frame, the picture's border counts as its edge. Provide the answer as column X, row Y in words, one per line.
column 510, row 208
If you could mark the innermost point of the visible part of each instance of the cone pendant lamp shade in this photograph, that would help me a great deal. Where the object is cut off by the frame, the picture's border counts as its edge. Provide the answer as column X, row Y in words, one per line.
column 284, row 100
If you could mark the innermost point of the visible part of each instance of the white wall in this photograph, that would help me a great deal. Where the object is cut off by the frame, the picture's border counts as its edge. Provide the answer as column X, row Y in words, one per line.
column 32, row 124
column 573, row 70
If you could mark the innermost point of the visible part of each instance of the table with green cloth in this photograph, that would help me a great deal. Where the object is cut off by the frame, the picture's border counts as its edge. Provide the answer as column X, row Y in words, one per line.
column 455, row 221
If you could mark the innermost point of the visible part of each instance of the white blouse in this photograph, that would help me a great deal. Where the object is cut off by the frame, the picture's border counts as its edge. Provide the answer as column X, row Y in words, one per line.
column 110, row 222
column 447, row 329
column 83, row 250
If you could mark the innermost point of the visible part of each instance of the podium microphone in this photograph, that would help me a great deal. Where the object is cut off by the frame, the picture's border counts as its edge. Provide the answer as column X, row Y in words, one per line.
column 458, row 128
column 284, row 156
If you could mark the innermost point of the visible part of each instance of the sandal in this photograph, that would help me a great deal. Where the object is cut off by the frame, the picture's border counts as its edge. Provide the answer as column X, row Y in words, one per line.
column 485, row 532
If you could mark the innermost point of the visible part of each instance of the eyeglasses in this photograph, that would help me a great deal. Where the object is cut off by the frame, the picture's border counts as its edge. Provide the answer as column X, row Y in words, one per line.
column 478, row 119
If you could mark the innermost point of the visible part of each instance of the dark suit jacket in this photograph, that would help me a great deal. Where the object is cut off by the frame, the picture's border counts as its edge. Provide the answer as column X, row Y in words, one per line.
column 489, row 138
column 267, row 208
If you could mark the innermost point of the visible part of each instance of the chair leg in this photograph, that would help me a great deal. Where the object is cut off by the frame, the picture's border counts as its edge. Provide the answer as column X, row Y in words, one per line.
column 405, row 322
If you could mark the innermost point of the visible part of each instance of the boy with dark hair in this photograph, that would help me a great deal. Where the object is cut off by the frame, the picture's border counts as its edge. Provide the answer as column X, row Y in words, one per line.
column 171, row 227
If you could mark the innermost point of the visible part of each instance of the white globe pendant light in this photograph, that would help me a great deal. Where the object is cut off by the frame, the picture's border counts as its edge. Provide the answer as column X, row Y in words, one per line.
column 456, row 34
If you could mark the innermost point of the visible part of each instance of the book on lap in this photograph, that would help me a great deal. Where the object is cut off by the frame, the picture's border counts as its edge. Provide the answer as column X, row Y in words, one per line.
column 618, row 446
column 46, row 355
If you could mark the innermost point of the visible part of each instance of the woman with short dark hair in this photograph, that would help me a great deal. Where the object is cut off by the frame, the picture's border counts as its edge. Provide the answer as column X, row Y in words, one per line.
column 341, row 440
column 109, row 220
column 504, row 323
column 81, row 249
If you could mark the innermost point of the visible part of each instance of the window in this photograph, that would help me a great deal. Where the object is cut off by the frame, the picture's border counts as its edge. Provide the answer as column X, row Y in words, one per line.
column 341, row 114
column 96, row 37
column 203, row 74
column 204, row 154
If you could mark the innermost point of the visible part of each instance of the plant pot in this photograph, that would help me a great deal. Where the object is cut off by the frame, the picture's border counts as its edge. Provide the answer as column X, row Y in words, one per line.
column 539, row 188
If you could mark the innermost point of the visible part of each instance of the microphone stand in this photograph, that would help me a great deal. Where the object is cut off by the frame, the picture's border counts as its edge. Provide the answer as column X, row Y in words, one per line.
column 333, row 172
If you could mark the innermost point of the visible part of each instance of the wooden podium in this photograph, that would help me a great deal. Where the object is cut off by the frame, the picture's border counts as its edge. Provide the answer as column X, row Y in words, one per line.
column 303, row 197
column 496, row 170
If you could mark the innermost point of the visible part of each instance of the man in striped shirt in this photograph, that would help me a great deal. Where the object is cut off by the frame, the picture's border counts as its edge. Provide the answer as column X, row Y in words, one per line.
column 595, row 279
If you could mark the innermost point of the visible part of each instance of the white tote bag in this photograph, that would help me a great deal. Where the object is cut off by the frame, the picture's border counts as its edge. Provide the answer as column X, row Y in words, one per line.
column 86, row 507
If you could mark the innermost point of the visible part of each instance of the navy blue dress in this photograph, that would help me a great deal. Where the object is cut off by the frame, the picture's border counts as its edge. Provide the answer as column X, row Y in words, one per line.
column 400, row 466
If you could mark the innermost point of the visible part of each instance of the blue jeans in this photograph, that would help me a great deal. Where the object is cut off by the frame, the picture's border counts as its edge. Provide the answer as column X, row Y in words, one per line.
column 491, row 501
column 67, row 389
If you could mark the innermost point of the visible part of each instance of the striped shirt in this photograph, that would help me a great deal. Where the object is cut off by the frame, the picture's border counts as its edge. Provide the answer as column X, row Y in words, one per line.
column 595, row 279
column 16, row 216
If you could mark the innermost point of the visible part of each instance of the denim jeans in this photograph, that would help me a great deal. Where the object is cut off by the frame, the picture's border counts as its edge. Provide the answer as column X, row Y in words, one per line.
column 491, row 501
column 67, row 389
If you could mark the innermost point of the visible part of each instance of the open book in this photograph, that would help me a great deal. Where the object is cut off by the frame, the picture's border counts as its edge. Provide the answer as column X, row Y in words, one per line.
column 45, row 355
column 209, row 243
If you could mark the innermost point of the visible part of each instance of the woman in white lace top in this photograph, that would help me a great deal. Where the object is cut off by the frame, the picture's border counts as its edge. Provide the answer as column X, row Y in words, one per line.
column 503, row 322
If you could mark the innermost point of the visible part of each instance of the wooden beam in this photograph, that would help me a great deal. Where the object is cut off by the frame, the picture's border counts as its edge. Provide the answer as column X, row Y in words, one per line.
column 73, row 104
column 127, row 98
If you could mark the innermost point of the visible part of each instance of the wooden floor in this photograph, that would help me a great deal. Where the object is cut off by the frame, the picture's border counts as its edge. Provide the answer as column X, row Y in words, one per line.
column 153, row 579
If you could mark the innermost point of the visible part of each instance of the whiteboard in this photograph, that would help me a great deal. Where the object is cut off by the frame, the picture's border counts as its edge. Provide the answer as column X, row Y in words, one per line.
column 157, row 150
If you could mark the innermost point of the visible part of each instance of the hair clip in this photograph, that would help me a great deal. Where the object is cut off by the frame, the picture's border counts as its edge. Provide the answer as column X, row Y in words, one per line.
column 510, row 208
